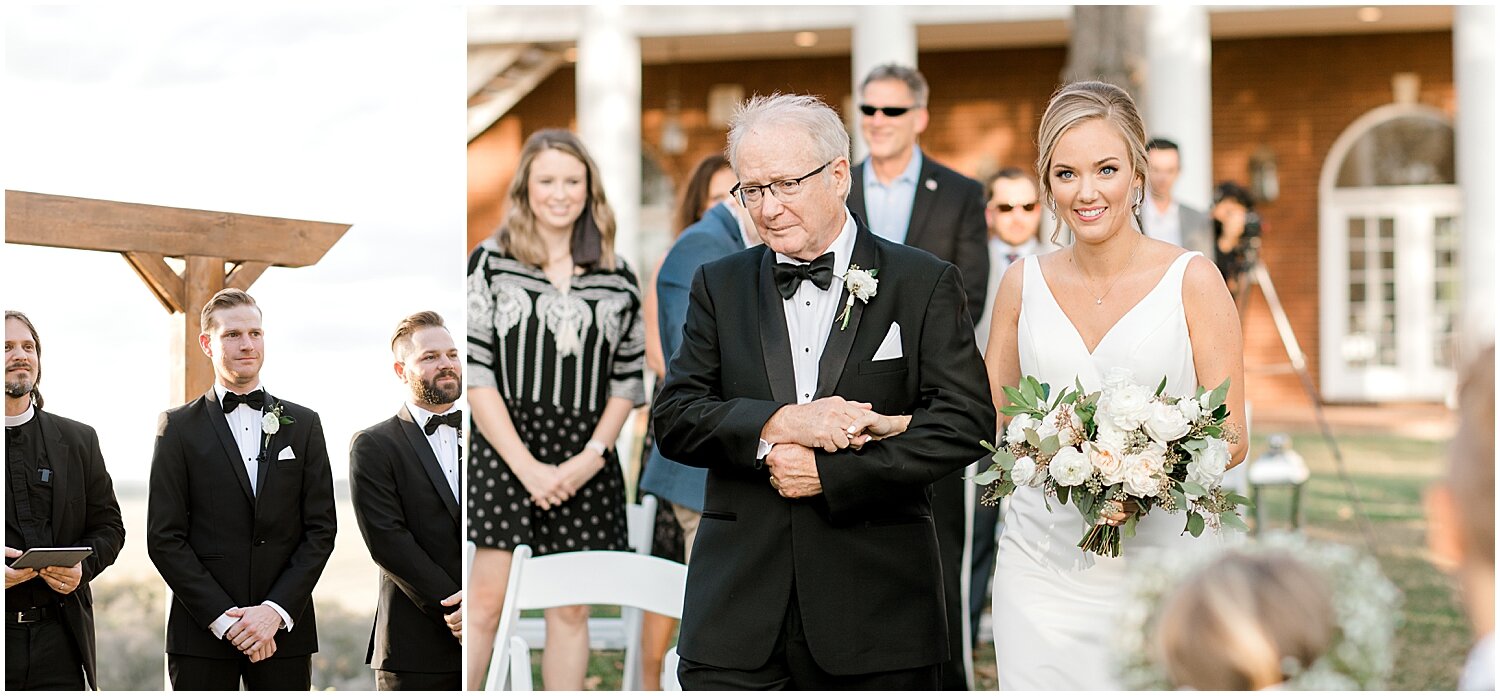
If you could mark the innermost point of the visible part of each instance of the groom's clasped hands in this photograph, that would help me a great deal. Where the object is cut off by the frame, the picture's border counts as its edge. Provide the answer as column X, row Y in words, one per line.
column 830, row 424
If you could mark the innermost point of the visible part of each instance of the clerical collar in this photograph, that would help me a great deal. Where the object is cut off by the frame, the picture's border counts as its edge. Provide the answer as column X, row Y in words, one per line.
column 24, row 418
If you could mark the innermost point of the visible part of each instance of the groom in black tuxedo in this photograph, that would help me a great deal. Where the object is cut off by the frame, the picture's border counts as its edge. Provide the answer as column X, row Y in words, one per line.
column 404, row 478
column 816, row 564
column 240, row 518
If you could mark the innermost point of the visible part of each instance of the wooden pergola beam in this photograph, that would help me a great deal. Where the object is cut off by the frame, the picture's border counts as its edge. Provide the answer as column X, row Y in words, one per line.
column 146, row 234
column 42, row 219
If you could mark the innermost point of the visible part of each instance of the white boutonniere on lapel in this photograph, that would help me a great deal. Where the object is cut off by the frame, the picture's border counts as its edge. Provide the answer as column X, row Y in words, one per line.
column 271, row 422
column 861, row 285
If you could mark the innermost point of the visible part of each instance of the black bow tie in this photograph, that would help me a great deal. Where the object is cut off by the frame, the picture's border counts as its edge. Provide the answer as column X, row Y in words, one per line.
column 789, row 276
column 453, row 419
column 255, row 400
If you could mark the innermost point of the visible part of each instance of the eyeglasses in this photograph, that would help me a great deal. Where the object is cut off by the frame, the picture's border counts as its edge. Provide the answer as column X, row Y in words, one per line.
column 784, row 190
column 1006, row 207
column 891, row 111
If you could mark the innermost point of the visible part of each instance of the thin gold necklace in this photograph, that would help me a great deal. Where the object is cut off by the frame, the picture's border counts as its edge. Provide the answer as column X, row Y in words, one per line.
column 1099, row 299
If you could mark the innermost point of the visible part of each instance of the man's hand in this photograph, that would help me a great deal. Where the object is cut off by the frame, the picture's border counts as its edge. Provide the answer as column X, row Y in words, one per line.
column 794, row 471
column 63, row 580
column 256, row 627
column 16, row 576
column 265, row 651
column 455, row 620
column 822, row 424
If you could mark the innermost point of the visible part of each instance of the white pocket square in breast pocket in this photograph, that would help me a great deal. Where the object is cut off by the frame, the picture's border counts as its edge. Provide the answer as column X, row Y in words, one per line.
column 285, row 454
column 890, row 348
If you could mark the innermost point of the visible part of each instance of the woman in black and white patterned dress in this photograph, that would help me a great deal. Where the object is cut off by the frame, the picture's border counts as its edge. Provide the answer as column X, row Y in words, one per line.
column 556, row 353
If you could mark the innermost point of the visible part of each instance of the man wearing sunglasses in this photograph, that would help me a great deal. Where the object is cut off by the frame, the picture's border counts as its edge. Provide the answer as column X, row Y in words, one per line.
column 906, row 197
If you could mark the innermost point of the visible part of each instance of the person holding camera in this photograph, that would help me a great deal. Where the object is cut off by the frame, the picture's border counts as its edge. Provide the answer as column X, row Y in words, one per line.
column 1236, row 231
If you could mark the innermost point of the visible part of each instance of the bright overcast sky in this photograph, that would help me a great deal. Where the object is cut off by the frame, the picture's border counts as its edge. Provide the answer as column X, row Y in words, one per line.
column 343, row 115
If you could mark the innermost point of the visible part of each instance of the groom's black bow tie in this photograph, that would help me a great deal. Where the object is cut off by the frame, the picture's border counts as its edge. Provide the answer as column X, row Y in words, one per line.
column 789, row 276
column 453, row 419
column 255, row 400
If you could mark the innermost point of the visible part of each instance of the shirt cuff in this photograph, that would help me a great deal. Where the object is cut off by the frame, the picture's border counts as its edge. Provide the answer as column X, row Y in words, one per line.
column 221, row 624
column 286, row 620
column 763, row 449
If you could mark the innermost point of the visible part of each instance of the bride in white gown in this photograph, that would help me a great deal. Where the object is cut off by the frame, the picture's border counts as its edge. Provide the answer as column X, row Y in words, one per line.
column 1113, row 298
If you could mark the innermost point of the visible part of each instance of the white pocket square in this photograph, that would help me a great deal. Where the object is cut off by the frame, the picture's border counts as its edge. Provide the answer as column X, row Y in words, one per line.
column 890, row 348
column 285, row 454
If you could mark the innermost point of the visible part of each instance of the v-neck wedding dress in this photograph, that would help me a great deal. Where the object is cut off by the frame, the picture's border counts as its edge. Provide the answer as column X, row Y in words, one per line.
column 1053, row 603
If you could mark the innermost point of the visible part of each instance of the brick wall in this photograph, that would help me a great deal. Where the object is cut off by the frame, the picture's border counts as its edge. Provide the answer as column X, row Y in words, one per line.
column 1294, row 95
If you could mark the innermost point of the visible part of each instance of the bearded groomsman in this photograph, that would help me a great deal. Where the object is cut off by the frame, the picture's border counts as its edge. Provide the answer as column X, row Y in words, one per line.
column 404, row 477
column 60, row 494
column 240, row 518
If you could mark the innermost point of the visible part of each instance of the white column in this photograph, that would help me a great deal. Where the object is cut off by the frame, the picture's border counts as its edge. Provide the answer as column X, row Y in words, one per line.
column 609, row 116
column 882, row 34
column 1179, row 94
column 1474, row 81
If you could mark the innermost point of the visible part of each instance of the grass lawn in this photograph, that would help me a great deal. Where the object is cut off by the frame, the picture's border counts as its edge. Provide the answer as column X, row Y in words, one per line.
column 1390, row 474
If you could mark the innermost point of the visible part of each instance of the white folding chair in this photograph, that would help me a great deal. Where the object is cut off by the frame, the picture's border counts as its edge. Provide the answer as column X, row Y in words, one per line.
column 669, row 671
column 613, row 633
column 617, row 578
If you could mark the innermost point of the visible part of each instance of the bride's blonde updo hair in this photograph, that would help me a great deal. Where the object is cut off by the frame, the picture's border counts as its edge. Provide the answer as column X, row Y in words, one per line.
column 1076, row 103
column 1243, row 623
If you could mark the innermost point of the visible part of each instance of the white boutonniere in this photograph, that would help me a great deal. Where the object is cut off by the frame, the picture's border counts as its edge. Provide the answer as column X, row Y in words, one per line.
column 861, row 285
column 271, row 422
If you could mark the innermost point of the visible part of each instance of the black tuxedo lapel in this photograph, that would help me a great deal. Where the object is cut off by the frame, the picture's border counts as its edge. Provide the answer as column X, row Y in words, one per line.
column 856, row 198
column 267, row 446
column 418, row 442
column 57, row 459
column 921, row 205
column 775, row 346
column 840, row 341
column 214, row 412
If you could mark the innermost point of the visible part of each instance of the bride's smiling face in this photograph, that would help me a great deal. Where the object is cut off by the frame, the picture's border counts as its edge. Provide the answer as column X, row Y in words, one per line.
column 1092, row 180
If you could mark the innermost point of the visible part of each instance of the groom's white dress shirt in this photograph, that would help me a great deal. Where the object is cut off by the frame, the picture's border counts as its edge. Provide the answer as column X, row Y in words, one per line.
column 245, row 426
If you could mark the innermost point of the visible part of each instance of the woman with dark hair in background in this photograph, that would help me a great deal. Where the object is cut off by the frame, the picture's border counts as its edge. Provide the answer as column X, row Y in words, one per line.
column 555, row 358
column 707, row 187
column 1236, row 231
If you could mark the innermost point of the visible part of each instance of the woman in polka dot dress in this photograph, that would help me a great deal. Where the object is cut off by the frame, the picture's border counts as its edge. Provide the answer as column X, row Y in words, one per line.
column 556, row 357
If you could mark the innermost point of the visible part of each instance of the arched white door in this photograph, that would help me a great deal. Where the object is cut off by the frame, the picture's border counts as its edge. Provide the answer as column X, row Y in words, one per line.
column 1388, row 250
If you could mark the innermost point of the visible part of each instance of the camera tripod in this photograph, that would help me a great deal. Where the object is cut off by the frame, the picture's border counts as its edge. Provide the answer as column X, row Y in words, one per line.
column 1255, row 274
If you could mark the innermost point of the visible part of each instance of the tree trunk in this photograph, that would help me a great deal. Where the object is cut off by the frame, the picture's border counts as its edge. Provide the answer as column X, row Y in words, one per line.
column 1108, row 44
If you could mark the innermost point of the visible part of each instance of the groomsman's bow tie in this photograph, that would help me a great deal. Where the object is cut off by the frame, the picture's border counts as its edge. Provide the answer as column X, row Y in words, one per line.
column 789, row 276
column 255, row 400
column 453, row 419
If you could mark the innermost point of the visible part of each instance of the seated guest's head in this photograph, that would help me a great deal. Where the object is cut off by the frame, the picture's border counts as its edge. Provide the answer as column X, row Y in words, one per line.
column 1243, row 622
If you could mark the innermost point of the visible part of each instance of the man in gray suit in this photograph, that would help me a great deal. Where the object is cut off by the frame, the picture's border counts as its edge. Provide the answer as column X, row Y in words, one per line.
column 1164, row 217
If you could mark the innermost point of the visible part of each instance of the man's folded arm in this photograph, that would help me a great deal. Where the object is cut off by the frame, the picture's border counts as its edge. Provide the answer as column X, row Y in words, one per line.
column 953, row 413
column 694, row 424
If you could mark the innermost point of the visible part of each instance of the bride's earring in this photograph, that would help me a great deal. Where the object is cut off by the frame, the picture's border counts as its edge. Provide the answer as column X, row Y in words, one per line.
column 1139, row 197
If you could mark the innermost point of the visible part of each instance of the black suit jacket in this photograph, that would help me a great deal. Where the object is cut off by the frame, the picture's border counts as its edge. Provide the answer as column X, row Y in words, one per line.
column 409, row 518
column 947, row 219
column 218, row 546
column 863, row 554
column 84, row 513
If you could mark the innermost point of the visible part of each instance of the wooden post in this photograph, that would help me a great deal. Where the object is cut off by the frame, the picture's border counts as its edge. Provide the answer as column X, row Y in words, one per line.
column 145, row 235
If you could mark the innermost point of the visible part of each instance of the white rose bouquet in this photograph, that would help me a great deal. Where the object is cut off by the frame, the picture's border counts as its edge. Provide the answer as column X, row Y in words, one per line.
column 1120, row 444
